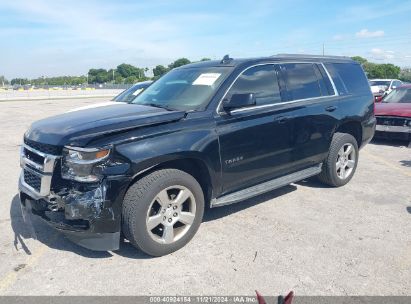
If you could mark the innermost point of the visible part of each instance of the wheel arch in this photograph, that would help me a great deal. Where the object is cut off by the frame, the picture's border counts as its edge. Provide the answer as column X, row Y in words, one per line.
column 193, row 165
column 353, row 128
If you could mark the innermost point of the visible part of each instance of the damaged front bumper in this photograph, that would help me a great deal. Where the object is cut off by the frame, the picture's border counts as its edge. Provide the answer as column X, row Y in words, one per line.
column 89, row 215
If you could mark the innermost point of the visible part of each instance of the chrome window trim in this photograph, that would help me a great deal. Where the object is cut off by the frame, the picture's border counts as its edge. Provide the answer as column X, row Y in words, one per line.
column 331, row 80
column 279, row 103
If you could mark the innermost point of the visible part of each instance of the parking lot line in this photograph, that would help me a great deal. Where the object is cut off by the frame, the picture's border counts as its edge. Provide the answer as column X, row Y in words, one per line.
column 382, row 160
column 11, row 277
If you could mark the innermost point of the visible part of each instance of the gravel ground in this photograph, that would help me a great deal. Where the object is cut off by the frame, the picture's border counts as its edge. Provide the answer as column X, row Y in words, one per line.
column 305, row 237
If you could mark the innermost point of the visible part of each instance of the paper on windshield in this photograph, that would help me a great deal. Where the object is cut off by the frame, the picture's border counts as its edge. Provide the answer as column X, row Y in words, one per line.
column 207, row 79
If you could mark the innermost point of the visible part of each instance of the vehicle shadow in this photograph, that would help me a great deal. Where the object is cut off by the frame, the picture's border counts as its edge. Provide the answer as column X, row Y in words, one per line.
column 312, row 182
column 55, row 240
column 409, row 209
column 212, row 214
column 405, row 163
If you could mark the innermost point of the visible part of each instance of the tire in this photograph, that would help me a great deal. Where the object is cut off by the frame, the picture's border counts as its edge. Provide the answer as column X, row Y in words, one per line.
column 332, row 172
column 162, row 199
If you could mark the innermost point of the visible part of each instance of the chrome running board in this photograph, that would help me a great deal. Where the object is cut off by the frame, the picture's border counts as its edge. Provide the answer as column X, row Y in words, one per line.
column 265, row 187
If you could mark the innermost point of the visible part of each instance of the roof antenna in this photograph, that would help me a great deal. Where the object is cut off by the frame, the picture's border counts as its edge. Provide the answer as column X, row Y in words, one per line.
column 226, row 59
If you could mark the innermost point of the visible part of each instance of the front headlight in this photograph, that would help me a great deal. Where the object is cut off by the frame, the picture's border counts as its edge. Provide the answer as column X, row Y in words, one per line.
column 79, row 163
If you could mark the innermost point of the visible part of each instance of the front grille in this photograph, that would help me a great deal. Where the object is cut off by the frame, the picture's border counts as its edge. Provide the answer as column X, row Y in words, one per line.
column 45, row 148
column 32, row 180
column 392, row 121
column 38, row 161
column 34, row 157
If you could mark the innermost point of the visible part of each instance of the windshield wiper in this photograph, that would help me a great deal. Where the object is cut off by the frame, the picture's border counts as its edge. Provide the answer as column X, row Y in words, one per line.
column 155, row 105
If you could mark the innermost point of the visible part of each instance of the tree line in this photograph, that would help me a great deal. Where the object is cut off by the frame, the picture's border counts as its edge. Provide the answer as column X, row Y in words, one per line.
column 375, row 70
column 128, row 74
column 122, row 74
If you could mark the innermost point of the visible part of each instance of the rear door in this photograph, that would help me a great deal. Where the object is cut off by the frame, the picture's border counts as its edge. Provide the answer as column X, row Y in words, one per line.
column 313, row 106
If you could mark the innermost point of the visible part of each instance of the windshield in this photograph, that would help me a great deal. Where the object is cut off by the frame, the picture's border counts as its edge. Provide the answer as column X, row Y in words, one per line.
column 380, row 83
column 399, row 96
column 184, row 89
column 131, row 93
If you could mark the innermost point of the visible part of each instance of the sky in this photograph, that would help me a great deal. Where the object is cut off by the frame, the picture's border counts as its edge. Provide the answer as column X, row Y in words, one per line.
column 58, row 37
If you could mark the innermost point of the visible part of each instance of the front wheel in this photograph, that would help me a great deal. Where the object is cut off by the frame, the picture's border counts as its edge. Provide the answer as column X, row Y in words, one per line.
column 162, row 211
column 341, row 162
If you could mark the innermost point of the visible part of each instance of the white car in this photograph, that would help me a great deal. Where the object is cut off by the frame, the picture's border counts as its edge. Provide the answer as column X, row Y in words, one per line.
column 124, row 97
column 384, row 86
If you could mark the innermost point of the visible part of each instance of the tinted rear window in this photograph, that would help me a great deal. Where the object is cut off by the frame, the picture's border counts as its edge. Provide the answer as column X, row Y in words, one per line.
column 349, row 78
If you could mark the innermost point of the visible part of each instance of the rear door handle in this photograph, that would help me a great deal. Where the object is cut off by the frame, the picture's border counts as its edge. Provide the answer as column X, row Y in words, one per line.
column 281, row 119
column 331, row 108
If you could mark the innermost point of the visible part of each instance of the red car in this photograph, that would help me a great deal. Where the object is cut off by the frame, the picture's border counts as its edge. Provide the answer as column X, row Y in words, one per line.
column 394, row 114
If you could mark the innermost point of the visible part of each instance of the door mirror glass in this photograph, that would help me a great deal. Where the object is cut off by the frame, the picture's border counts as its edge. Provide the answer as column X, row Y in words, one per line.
column 238, row 101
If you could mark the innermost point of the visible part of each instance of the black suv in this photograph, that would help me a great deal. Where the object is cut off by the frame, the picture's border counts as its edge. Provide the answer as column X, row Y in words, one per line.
column 206, row 134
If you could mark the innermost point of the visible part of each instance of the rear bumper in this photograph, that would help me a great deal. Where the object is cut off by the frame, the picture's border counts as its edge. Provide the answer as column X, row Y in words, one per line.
column 368, row 131
column 79, row 220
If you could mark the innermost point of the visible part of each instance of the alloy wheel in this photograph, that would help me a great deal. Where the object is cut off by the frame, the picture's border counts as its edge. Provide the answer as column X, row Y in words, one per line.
column 171, row 214
column 345, row 161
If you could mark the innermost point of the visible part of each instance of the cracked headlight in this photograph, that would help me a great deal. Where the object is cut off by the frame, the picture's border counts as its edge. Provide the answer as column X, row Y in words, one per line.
column 78, row 164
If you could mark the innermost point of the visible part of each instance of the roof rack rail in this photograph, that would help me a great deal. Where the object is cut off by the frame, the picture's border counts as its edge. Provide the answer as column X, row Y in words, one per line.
column 310, row 56
column 226, row 59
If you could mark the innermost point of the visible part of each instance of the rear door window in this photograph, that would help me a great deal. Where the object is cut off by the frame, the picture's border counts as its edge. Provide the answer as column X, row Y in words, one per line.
column 349, row 78
column 302, row 80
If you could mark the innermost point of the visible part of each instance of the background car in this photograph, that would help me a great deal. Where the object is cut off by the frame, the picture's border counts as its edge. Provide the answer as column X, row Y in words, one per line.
column 394, row 114
column 382, row 87
column 131, row 93
column 124, row 97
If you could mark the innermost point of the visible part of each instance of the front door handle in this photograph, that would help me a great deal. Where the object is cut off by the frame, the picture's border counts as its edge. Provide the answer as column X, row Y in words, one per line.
column 331, row 108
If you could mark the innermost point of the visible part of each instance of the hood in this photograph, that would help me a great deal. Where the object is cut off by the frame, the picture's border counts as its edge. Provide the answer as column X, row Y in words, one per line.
column 79, row 127
column 393, row 109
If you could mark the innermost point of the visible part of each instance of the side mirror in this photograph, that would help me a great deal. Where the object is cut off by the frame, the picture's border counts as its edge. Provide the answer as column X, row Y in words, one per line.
column 393, row 87
column 238, row 101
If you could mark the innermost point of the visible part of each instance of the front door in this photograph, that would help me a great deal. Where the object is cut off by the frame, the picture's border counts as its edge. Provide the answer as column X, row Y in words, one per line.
column 255, row 142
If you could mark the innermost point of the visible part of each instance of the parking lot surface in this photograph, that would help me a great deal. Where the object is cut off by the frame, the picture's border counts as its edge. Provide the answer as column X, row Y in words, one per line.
column 56, row 94
column 315, row 240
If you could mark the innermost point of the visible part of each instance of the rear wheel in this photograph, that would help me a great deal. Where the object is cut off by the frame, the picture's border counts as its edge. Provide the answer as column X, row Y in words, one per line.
column 341, row 162
column 163, row 211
